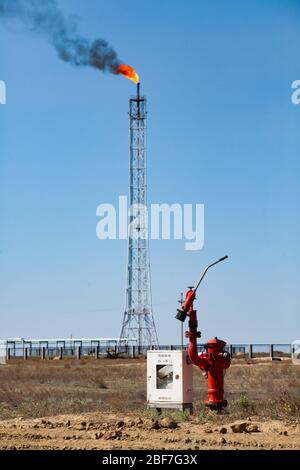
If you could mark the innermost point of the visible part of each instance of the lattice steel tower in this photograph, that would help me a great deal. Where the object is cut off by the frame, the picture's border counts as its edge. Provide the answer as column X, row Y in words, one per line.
column 138, row 321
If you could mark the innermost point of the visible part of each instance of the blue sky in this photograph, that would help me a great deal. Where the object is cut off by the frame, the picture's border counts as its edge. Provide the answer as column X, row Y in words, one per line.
column 222, row 131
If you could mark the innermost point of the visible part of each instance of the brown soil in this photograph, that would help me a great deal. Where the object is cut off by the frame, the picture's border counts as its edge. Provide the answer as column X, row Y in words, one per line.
column 108, row 431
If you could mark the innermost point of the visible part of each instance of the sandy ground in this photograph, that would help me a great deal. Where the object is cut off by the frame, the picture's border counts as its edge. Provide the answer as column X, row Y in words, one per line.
column 110, row 431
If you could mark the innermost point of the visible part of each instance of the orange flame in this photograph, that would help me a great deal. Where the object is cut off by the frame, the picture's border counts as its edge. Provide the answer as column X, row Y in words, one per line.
column 128, row 72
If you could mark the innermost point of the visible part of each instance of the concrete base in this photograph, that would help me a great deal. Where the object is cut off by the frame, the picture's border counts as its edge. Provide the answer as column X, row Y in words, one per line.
column 172, row 406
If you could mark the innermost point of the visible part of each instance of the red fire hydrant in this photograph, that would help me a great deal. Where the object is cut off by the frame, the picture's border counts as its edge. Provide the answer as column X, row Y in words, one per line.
column 213, row 362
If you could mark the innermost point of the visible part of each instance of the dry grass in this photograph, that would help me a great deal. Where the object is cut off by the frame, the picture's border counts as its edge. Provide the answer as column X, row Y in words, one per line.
column 46, row 388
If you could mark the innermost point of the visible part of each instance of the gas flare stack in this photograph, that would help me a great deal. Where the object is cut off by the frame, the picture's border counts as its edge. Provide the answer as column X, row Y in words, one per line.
column 138, row 321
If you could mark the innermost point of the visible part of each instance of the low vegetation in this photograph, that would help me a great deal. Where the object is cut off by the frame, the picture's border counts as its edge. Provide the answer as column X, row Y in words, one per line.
column 35, row 389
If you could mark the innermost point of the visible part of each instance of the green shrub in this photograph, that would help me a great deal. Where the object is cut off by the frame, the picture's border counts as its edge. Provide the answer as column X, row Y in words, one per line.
column 243, row 403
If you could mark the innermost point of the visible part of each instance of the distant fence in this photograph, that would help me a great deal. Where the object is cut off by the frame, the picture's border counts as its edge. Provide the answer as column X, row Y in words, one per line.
column 60, row 352
column 237, row 351
column 247, row 351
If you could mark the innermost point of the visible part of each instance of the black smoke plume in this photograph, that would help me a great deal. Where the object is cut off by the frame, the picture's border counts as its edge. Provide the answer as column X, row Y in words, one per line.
column 45, row 18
